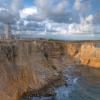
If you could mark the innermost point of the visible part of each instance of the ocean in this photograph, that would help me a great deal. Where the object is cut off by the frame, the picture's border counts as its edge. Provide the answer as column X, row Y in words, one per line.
column 83, row 84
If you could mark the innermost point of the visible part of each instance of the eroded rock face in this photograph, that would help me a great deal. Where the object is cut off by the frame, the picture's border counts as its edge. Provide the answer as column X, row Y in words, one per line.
column 30, row 65
column 87, row 53
column 90, row 54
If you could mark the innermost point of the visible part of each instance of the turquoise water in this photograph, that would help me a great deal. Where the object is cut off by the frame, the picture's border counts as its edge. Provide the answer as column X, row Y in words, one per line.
column 83, row 84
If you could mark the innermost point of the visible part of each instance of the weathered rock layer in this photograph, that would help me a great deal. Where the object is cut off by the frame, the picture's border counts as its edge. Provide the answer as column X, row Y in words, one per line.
column 30, row 65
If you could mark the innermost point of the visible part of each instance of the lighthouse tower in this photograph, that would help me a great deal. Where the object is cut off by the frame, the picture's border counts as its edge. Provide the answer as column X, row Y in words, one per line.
column 7, row 31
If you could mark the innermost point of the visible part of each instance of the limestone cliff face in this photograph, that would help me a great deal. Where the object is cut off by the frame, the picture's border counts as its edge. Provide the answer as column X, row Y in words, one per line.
column 87, row 53
column 90, row 54
column 30, row 65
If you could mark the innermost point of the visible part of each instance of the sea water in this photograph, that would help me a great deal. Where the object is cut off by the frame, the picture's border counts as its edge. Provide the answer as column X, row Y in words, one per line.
column 83, row 84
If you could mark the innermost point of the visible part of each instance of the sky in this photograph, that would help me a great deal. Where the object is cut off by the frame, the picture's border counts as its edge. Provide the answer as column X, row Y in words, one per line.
column 57, row 19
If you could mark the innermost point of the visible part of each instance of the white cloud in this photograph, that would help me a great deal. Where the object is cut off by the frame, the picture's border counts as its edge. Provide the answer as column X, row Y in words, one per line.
column 83, row 6
column 53, row 15
column 77, row 5
column 12, row 5
column 85, row 27
column 43, row 5
column 50, row 6
column 89, row 19
column 28, row 11
column 54, row 11
column 15, row 5
column 60, row 8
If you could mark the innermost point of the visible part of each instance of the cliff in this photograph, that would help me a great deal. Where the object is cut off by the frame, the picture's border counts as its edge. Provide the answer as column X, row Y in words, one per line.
column 87, row 53
column 30, row 65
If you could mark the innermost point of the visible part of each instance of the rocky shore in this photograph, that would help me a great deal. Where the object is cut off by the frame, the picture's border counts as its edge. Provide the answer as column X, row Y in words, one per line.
column 47, row 90
column 32, row 65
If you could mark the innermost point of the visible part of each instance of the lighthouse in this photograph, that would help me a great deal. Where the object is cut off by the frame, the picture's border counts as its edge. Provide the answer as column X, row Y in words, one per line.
column 7, row 31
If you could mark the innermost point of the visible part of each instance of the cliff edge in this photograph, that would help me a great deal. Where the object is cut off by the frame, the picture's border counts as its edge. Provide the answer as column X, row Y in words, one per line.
column 30, row 65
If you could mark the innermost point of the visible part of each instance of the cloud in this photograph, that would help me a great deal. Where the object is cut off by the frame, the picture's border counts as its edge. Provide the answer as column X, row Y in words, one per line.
column 25, row 25
column 83, row 7
column 48, row 6
column 68, row 17
column 32, row 14
column 12, row 5
column 42, row 5
column 4, row 3
column 88, row 20
column 7, row 17
column 54, row 27
column 97, row 17
column 15, row 5
column 84, row 27
column 53, row 16
column 77, row 5
column 86, row 7
column 28, row 11
column 34, row 26
column 9, row 11
column 60, row 7
column 57, row 12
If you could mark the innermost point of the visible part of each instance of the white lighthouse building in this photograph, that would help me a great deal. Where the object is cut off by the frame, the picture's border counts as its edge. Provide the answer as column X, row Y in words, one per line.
column 7, row 32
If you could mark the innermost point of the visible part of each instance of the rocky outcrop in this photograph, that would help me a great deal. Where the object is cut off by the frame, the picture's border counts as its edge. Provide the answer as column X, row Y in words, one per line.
column 87, row 53
column 90, row 54
column 30, row 65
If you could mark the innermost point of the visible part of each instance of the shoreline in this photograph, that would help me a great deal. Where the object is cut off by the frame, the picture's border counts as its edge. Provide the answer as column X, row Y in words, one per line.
column 47, row 90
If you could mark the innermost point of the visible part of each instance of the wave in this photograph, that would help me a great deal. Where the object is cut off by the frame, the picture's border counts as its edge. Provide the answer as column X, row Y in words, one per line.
column 85, row 86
